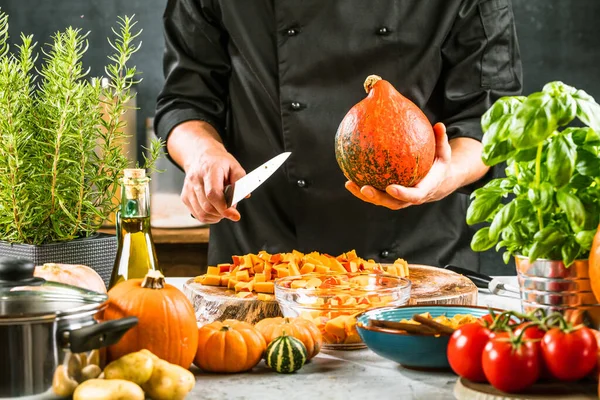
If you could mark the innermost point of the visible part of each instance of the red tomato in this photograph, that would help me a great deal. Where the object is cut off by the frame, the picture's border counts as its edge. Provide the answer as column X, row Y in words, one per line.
column 572, row 355
column 534, row 332
column 487, row 319
column 509, row 367
column 464, row 351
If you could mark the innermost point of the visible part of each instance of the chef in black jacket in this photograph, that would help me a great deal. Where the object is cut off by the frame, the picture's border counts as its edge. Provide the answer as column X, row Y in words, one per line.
column 248, row 79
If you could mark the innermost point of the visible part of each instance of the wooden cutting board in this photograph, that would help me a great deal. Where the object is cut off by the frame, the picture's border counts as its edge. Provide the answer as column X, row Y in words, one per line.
column 467, row 390
column 430, row 285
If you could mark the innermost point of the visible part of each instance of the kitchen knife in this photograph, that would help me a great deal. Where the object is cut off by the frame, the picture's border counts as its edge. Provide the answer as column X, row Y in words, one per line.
column 483, row 281
column 243, row 187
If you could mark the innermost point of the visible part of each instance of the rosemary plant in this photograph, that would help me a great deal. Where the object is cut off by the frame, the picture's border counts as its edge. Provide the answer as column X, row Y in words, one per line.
column 61, row 135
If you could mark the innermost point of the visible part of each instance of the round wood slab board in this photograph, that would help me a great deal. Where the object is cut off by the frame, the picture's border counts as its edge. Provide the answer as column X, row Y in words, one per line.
column 430, row 285
column 467, row 390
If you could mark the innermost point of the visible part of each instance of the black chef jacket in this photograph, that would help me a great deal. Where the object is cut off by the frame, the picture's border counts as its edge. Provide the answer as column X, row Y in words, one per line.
column 279, row 75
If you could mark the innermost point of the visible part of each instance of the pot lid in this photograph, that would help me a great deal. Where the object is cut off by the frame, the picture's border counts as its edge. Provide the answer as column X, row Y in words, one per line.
column 24, row 297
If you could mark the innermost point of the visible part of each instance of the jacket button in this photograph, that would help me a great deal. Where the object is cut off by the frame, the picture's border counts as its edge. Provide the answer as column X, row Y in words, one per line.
column 296, row 106
column 291, row 32
column 385, row 254
column 301, row 183
column 383, row 31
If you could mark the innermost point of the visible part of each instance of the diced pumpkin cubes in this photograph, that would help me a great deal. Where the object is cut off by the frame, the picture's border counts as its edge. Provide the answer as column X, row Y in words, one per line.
column 211, row 280
column 255, row 273
column 264, row 287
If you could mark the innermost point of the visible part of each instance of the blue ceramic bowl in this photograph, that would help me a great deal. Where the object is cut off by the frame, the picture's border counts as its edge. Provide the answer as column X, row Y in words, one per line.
column 419, row 351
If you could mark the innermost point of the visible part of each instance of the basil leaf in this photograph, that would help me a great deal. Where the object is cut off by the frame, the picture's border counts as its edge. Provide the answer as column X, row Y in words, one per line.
column 585, row 239
column 588, row 111
column 493, row 186
column 558, row 88
column 482, row 207
column 588, row 163
column 497, row 153
column 544, row 243
column 569, row 251
column 541, row 197
column 525, row 155
column 481, row 240
column 508, row 184
column 534, row 121
column 501, row 107
column 561, row 160
column 506, row 257
column 565, row 109
column 572, row 207
column 502, row 219
column 582, row 136
column 496, row 132
column 579, row 181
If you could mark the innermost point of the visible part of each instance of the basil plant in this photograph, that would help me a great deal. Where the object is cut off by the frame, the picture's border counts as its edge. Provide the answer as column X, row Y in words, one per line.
column 550, row 141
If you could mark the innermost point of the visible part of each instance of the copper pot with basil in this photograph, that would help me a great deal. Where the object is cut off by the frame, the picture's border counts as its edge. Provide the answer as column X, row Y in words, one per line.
column 51, row 334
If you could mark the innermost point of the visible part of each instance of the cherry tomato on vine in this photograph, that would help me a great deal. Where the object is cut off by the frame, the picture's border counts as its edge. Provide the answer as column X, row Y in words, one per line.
column 465, row 348
column 535, row 333
column 570, row 354
column 509, row 366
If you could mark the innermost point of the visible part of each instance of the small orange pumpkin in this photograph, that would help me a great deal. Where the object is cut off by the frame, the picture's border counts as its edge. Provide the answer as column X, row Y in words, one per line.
column 229, row 346
column 302, row 329
column 167, row 323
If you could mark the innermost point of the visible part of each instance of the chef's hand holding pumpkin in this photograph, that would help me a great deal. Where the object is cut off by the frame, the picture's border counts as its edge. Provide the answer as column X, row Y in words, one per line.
column 208, row 169
column 434, row 186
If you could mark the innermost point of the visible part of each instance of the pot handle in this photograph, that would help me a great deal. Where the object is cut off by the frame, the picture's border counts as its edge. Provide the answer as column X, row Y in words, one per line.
column 98, row 335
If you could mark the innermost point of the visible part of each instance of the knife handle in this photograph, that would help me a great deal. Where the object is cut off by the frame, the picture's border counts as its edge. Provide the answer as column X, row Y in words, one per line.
column 480, row 280
column 228, row 192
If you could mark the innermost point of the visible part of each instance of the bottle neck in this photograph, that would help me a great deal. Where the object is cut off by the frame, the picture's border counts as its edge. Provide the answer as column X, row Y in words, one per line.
column 135, row 198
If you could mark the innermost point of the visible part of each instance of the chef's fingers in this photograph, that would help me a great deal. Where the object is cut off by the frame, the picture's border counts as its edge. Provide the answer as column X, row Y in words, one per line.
column 190, row 199
column 214, row 187
column 442, row 146
column 370, row 195
column 195, row 192
column 235, row 173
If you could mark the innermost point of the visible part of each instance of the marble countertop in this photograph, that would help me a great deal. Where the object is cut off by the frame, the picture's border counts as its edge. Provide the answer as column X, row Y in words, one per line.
column 356, row 374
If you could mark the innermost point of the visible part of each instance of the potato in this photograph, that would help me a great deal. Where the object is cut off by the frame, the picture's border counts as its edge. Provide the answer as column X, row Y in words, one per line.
column 114, row 389
column 94, row 357
column 62, row 384
column 90, row 372
column 74, row 366
column 134, row 367
column 149, row 353
column 169, row 382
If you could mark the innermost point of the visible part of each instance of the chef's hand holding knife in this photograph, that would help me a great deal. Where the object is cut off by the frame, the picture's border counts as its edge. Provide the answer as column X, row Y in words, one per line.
column 208, row 170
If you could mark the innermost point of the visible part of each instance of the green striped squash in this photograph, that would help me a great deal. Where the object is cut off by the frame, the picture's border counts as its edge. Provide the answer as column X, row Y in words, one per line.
column 286, row 354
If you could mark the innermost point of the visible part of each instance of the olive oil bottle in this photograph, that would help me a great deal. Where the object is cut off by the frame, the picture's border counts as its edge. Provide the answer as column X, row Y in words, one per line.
column 136, row 254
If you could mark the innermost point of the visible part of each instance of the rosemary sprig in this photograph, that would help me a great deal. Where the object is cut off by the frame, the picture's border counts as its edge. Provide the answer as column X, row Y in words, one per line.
column 61, row 140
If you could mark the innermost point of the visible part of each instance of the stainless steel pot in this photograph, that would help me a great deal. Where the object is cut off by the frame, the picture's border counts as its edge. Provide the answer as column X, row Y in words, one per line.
column 51, row 334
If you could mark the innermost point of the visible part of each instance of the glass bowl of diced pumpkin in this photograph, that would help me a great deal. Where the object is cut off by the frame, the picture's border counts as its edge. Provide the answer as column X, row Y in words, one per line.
column 332, row 300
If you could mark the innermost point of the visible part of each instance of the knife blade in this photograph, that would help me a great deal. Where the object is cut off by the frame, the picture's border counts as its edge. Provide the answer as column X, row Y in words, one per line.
column 243, row 187
column 494, row 285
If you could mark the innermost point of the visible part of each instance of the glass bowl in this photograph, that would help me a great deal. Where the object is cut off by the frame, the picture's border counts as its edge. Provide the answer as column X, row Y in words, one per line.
column 332, row 300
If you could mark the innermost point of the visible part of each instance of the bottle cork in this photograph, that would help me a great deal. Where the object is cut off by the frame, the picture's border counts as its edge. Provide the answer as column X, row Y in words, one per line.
column 134, row 173
column 134, row 180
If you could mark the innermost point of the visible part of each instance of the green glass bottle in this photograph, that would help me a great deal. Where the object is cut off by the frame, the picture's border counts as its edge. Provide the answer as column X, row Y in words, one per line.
column 136, row 254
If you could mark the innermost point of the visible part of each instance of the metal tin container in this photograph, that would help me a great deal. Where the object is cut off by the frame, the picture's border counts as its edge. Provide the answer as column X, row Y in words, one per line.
column 48, row 333
column 548, row 284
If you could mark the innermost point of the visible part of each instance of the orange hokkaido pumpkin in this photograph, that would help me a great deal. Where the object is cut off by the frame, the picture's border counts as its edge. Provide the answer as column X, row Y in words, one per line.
column 304, row 330
column 384, row 139
column 167, row 323
column 229, row 346
column 594, row 265
column 76, row 275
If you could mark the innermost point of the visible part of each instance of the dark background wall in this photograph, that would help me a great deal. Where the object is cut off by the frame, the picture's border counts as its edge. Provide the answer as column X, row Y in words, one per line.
column 559, row 40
